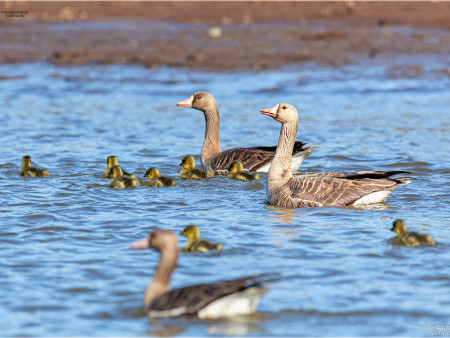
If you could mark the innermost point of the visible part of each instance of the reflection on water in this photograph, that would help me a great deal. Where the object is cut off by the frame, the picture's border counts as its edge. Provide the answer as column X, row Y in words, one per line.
column 65, row 239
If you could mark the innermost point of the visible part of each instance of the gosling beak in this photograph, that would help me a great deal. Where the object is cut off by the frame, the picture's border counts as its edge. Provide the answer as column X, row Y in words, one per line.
column 272, row 112
column 392, row 229
column 187, row 102
column 181, row 163
column 142, row 244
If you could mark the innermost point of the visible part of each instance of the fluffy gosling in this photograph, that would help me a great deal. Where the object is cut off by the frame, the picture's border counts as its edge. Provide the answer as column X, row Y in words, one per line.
column 28, row 171
column 190, row 172
column 195, row 243
column 156, row 180
column 237, row 173
column 112, row 160
column 409, row 238
column 119, row 180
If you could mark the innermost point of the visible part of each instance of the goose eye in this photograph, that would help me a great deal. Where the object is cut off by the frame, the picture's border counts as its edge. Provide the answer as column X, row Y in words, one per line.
column 284, row 107
column 199, row 97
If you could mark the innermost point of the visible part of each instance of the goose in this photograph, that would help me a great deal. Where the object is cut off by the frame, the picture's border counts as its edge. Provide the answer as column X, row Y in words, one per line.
column 327, row 189
column 156, row 180
column 195, row 243
column 119, row 180
column 253, row 159
column 409, row 238
column 237, row 173
column 190, row 172
column 29, row 171
column 206, row 301
column 112, row 160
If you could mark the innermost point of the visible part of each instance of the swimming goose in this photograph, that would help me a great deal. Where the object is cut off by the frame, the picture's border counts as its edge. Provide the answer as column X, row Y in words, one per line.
column 253, row 158
column 409, row 238
column 237, row 173
column 207, row 301
column 29, row 171
column 156, row 180
column 119, row 180
column 195, row 243
column 329, row 189
column 190, row 172
column 112, row 160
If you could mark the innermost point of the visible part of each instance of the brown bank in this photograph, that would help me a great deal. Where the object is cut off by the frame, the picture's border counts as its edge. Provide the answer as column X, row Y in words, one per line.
column 221, row 36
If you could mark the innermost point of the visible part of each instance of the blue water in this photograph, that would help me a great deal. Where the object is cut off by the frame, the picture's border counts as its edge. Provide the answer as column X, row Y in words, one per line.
column 66, row 267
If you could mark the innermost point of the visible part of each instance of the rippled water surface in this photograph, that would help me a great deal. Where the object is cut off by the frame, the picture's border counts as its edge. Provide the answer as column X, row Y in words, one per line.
column 66, row 267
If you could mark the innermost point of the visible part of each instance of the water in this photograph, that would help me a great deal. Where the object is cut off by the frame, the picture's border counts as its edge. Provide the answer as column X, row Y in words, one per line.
column 66, row 266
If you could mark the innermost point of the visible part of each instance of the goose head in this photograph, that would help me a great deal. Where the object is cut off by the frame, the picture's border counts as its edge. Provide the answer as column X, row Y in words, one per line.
column 191, row 232
column 114, row 172
column 26, row 162
column 188, row 162
column 399, row 227
column 282, row 112
column 112, row 160
column 236, row 167
column 152, row 173
column 160, row 240
column 201, row 101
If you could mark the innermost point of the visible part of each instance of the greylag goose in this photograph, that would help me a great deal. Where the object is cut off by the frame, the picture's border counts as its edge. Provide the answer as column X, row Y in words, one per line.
column 190, row 172
column 119, row 180
column 29, row 171
column 409, row 238
column 207, row 301
column 329, row 189
column 195, row 243
column 253, row 158
column 112, row 160
column 237, row 173
column 156, row 180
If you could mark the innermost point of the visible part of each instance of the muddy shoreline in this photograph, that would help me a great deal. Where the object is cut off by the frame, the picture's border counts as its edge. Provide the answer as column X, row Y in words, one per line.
column 221, row 36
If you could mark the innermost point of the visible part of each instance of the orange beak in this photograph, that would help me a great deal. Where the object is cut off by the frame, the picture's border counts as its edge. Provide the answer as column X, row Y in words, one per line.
column 142, row 244
column 187, row 102
column 272, row 112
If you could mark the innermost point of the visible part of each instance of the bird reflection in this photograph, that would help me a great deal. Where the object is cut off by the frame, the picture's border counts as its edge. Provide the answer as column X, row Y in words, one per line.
column 283, row 215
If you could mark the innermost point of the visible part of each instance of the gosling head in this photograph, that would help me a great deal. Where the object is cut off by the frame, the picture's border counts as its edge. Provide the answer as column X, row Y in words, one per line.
column 236, row 167
column 191, row 231
column 114, row 172
column 112, row 160
column 201, row 100
column 399, row 227
column 26, row 161
column 152, row 173
column 159, row 240
column 188, row 162
column 282, row 112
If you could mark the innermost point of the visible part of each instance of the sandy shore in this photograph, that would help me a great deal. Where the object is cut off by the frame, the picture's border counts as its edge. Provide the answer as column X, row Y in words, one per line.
column 247, row 35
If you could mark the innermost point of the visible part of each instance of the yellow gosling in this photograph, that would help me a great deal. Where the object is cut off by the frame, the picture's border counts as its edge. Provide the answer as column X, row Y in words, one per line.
column 111, row 161
column 190, row 172
column 28, row 171
column 156, row 180
column 409, row 238
column 196, row 243
column 119, row 180
column 237, row 173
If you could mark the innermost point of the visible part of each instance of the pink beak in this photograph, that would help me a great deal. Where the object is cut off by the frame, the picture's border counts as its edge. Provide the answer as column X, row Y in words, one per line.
column 272, row 112
column 142, row 244
column 187, row 102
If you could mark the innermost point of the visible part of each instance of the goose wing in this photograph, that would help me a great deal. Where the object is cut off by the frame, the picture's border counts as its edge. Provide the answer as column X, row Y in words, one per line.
column 331, row 191
column 361, row 175
column 189, row 300
column 252, row 158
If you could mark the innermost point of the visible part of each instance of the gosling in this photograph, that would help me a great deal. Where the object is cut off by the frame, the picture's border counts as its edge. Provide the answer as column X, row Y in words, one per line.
column 190, row 172
column 119, row 180
column 28, row 171
column 156, row 180
column 196, row 243
column 409, row 238
column 112, row 160
column 237, row 173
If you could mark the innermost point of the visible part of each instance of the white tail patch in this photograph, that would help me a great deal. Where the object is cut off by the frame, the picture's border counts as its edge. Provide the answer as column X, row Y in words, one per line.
column 375, row 197
column 240, row 303
column 297, row 161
